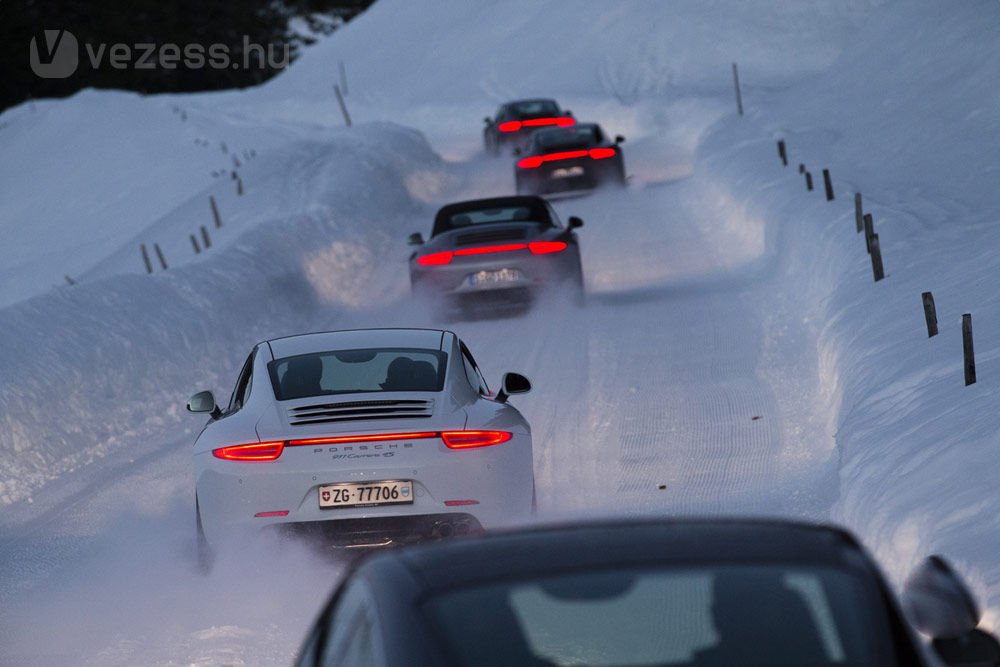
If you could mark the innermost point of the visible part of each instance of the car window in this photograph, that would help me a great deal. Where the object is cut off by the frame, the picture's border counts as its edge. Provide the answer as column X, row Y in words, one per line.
column 472, row 371
column 577, row 136
column 466, row 216
column 242, row 390
column 355, row 371
column 752, row 614
column 536, row 108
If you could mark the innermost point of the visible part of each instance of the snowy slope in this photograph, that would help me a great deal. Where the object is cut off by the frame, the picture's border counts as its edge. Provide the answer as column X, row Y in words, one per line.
column 734, row 356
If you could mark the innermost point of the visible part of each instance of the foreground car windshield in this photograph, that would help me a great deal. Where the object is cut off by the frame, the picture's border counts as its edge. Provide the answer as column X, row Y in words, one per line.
column 721, row 616
column 353, row 371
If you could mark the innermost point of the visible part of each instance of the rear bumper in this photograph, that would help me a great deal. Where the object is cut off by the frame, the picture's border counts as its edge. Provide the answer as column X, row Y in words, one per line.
column 546, row 179
column 382, row 531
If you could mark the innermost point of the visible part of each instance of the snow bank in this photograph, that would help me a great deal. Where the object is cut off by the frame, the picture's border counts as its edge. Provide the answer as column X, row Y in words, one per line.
column 89, row 369
column 919, row 463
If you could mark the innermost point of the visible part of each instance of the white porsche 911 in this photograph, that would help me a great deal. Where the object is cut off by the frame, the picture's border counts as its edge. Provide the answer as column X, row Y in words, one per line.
column 366, row 437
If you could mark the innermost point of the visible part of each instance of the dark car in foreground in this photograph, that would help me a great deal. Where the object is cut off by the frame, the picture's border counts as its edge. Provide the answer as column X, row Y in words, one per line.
column 581, row 157
column 515, row 122
column 636, row 592
column 496, row 253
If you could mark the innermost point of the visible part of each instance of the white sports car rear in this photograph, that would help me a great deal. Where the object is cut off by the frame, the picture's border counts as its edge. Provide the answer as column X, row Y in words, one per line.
column 367, row 437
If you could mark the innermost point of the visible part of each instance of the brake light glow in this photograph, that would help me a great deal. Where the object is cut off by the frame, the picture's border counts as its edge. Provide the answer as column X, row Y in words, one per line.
column 264, row 515
column 370, row 437
column 435, row 258
column 545, row 247
column 601, row 153
column 482, row 250
column 470, row 439
column 270, row 451
column 536, row 247
column 257, row 451
column 534, row 161
column 515, row 125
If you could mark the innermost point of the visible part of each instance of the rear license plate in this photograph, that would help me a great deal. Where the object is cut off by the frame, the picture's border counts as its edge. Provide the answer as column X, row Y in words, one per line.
column 568, row 172
column 366, row 494
column 494, row 277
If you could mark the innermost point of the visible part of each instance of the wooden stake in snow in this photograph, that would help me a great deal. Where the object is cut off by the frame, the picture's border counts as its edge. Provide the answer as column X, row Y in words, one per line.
column 877, row 269
column 930, row 314
column 215, row 212
column 858, row 213
column 828, row 185
column 205, row 239
column 343, row 107
column 159, row 255
column 194, row 244
column 145, row 258
column 869, row 223
column 969, row 353
column 343, row 77
column 736, row 83
column 809, row 181
column 239, row 186
column 782, row 153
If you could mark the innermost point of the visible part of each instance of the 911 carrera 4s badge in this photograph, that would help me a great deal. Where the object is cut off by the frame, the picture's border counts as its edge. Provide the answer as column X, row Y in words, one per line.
column 499, row 277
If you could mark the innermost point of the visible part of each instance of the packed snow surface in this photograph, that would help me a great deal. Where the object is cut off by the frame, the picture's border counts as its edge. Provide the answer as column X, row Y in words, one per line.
column 734, row 355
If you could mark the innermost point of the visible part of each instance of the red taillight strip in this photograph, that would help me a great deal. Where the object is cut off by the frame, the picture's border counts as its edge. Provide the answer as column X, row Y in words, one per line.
column 515, row 125
column 533, row 161
column 373, row 437
column 269, row 451
column 469, row 439
column 460, row 503
column 265, row 515
column 537, row 247
column 256, row 451
column 481, row 250
column 545, row 247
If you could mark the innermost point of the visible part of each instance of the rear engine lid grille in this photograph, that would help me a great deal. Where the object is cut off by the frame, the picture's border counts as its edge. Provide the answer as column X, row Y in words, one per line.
column 325, row 413
column 491, row 236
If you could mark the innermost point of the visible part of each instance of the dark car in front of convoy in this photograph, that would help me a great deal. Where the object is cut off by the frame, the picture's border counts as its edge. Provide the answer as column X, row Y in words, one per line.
column 686, row 592
column 581, row 157
column 496, row 253
column 515, row 122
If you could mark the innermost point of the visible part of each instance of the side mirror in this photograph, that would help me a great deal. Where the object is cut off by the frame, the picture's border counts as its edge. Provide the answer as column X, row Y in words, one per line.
column 513, row 383
column 619, row 139
column 938, row 602
column 516, row 151
column 568, row 113
column 574, row 222
column 204, row 401
column 415, row 239
column 487, row 120
column 940, row 605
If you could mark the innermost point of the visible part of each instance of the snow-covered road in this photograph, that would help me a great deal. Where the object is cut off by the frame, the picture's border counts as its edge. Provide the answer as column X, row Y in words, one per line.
column 661, row 395
column 733, row 357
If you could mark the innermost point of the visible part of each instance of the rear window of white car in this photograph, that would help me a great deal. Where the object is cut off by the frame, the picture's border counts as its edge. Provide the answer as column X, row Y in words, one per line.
column 357, row 371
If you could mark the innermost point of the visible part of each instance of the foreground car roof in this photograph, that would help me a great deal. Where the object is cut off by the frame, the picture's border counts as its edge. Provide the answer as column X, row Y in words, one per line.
column 536, row 551
column 430, row 339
